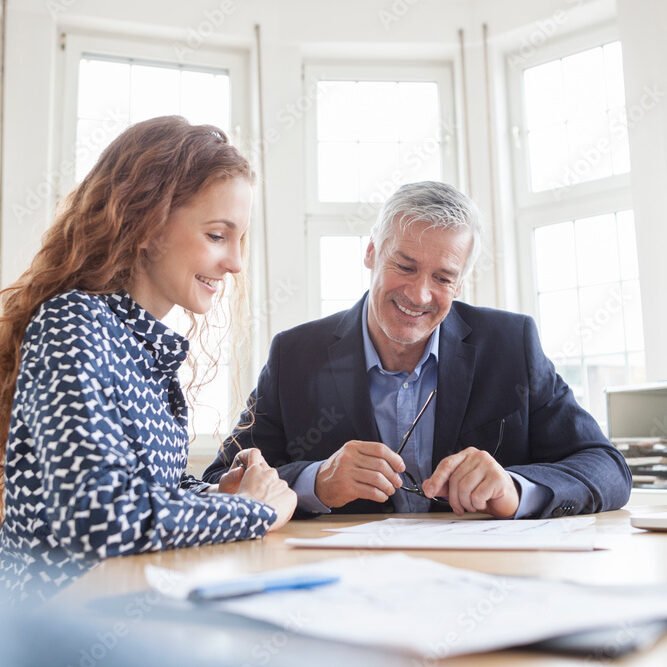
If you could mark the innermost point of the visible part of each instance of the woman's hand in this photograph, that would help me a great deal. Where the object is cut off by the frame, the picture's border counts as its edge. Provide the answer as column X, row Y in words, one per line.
column 251, row 476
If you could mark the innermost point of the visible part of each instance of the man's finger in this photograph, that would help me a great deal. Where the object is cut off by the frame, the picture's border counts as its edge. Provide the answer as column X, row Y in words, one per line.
column 374, row 479
column 381, row 466
column 433, row 485
column 381, row 451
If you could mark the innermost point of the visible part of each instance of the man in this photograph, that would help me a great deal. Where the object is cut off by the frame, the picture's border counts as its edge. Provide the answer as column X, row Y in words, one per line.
column 504, row 434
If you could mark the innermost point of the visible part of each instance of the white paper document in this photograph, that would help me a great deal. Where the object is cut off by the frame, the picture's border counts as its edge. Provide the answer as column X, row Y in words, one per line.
column 420, row 607
column 566, row 534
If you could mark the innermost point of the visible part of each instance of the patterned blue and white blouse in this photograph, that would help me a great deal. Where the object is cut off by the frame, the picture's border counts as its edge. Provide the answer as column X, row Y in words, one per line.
column 98, row 446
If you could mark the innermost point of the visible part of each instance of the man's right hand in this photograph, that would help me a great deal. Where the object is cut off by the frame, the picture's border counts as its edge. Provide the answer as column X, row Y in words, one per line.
column 359, row 469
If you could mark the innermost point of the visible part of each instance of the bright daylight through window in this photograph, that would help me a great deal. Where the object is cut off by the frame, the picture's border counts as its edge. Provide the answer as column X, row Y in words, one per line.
column 585, row 273
column 372, row 136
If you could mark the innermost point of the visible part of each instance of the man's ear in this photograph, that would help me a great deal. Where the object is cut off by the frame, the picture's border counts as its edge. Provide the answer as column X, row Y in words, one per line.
column 369, row 257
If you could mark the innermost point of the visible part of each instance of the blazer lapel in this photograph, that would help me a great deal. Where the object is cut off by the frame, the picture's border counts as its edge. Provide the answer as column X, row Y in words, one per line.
column 347, row 363
column 456, row 368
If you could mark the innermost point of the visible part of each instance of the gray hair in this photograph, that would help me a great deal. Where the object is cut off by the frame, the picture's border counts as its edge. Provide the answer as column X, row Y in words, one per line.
column 437, row 204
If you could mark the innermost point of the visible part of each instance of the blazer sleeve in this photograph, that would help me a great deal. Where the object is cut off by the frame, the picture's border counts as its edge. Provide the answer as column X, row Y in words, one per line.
column 261, row 426
column 97, row 503
column 570, row 455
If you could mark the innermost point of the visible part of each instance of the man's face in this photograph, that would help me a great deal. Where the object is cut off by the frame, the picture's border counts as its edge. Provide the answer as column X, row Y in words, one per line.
column 415, row 276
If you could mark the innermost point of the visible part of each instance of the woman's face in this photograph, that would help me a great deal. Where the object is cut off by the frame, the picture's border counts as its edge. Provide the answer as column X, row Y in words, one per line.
column 201, row 243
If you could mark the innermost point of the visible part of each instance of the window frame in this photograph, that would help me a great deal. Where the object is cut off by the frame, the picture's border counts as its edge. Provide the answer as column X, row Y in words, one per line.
column 146, row 51
column 533, row 210
column 357, row 218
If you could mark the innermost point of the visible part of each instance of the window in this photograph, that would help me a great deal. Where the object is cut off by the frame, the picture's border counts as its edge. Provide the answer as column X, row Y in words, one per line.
column 115, row 93
column 371, row 129
column 574, row 212
column 575, row 118
column 110, row 91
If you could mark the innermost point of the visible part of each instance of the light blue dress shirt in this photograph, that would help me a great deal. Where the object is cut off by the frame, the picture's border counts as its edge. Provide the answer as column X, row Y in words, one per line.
column 397, row 397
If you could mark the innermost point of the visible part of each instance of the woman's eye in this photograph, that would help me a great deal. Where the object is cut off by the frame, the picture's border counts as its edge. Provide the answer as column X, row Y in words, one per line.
column 216, row 238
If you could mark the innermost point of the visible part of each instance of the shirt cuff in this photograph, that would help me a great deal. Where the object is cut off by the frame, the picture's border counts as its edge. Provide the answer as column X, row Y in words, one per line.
column 304, row 487
column 532, row 497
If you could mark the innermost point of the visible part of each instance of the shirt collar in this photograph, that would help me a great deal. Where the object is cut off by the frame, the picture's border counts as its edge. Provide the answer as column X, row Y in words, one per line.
column 372, row 357
column 167, row 347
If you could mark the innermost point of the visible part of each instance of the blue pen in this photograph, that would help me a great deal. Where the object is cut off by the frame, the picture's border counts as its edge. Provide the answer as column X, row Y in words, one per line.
column 233, row 588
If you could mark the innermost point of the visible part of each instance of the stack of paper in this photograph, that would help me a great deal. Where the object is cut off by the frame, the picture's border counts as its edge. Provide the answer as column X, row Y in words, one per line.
column 424, row 608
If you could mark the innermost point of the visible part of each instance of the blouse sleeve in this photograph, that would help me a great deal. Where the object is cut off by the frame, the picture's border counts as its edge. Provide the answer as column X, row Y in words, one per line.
column 97, row 503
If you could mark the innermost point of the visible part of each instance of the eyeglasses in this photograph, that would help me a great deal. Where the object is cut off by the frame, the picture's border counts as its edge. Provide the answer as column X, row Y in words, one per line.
column 414, row 486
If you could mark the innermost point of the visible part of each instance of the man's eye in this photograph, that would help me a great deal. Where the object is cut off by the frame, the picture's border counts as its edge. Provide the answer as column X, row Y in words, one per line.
column 216, row 238
column 402, row 267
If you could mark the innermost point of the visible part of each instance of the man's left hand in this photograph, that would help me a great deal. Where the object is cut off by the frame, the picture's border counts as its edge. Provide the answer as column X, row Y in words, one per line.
column 473, row 481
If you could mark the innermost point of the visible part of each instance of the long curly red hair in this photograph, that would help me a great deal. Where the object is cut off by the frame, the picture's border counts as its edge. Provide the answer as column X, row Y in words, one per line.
column 95, row 242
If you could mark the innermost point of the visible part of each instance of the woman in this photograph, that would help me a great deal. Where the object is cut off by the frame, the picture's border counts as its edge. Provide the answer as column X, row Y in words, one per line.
column 93, row 423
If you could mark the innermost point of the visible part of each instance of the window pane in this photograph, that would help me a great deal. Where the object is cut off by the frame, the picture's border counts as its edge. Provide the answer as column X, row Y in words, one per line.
column 632, row 312
column 620, row 147
column 374, row 136
column 205, row 99
column 555, row 257
column 338, row 172
column 601, row 372
column 602, row 319
column 559, row 320
column 613, row 69
column 589, row 148
column 548, row 158
column 420, row 161
column 337, row 111
column 594, row 325
column 584, row 84
column 575, row 105
column 103, row 90
column 343, row 276
column 92, row 137
column 378, row 170
column 418, row 107
column 378, row 107
column 340, row 268
column 627, row 243
column 154, row 91
column 597, row 250
column 544, row 94
column 114, row 93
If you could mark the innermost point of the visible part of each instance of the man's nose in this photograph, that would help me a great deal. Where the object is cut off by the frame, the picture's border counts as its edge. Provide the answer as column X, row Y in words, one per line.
column 418, row 291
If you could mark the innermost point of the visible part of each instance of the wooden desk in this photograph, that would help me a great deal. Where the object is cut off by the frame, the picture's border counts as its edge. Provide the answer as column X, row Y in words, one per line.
column 630, row 556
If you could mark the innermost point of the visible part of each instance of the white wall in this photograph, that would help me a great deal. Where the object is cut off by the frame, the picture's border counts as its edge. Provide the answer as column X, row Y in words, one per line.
column 643, row 27
column 298, row 30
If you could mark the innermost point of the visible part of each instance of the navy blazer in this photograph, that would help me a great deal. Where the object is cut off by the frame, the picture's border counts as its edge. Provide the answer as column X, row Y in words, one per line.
column 313, row 396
